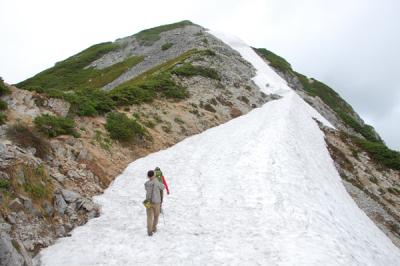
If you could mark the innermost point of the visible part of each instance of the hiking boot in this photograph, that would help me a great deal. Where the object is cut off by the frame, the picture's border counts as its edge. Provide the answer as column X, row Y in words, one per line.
column 154, row 230
column 150, row 233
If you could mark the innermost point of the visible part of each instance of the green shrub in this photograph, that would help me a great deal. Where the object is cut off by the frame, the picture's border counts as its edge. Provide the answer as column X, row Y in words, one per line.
column 208, row 52
column 166, row 46
column 149, row 36
column 4, row 184
column 274, row 60
column 3, row 105
column 124, row 129
column 3, row 118
column 3, row 88
column 365, row 130
column 26, row 137
column 188, row 70
column 54, row 126
column 131, row 94
column 90, row 102
column 380, row 153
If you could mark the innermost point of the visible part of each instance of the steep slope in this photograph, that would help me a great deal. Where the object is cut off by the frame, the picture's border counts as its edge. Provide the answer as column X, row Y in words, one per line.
column 47, row 182
column 260, row 189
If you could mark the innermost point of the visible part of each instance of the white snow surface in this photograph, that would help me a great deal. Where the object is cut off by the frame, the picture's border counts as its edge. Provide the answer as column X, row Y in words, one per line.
column 261, row 189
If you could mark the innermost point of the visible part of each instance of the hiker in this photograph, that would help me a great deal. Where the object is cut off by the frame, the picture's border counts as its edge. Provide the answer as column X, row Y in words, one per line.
column 153, row 200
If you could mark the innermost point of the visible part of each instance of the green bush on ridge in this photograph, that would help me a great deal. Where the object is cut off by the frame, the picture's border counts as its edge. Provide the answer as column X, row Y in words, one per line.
column 53, row 126
column 123, row 128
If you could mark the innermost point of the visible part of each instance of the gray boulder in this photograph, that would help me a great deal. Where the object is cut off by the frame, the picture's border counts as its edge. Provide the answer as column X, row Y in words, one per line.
column 9, row 255
column 70, row 196
column 60, row 204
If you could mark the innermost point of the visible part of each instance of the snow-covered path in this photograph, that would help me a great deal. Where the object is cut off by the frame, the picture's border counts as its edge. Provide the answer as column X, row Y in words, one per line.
column 258, row 190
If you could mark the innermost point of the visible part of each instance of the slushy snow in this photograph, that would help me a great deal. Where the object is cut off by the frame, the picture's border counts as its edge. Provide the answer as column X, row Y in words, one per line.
column 261, row 189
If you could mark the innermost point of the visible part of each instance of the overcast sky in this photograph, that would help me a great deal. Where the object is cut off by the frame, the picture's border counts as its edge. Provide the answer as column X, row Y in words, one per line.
column 352, row 45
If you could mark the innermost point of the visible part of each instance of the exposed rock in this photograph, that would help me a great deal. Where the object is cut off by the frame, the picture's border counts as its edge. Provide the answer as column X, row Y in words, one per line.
column 84, row 155
column 60, row 204
column 48, row 208
column 70, row 196
column 57, row 176
column 58, row 106
column 9, row 255
column 4, row 226
column 28, row 204
column 60, row 230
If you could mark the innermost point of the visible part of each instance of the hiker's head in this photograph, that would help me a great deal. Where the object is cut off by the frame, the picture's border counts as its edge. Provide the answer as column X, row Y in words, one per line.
column 157, row 169
column 150, row 174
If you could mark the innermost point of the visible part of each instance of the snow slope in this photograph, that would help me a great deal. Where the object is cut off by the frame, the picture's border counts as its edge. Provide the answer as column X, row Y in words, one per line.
column 258, row 190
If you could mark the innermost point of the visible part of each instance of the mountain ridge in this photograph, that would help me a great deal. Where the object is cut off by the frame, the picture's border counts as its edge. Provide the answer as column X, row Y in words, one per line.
column 188, row 93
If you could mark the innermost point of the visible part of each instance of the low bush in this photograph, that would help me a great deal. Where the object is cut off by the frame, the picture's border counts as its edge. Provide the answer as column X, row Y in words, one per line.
column 90, row 102
column 3, row 88
column 380, row 153
column 4, row 184
column 3, row 118
column 188, row 70
column 3, row 105
column 274, row 60
column 26, row 137
column 54, row 126
column 124, row 129
column 166, row 46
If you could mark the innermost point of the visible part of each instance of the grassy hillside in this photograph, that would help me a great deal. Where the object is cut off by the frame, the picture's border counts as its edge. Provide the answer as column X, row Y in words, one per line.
column 372, row 143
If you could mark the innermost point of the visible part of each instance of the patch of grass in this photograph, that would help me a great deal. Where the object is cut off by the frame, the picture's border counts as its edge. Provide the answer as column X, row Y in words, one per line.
column 70, row 73
column 25, row 137
column 189, row 70
column 104, row 142
column 38, row 184
column 124, row 129
column 204, row 40
column 380, row 153
column 149, row 36
column 394, row 191
column 145, row 87
column 3, row 105
column 274, row 60
column 179, row 120
column 3, row 88
column 3, row 118
column 244, row 99
column 53, row 126
column 4, row 184
column 166, row 46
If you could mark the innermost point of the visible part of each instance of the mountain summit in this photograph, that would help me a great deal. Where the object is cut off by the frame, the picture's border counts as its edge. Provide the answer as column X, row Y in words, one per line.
column 289, row 174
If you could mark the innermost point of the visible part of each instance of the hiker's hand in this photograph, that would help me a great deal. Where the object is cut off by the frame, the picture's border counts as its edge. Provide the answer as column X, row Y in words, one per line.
column 167, row 192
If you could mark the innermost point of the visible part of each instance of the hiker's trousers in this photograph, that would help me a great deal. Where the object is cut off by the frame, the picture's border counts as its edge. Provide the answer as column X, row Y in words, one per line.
column 152, row 217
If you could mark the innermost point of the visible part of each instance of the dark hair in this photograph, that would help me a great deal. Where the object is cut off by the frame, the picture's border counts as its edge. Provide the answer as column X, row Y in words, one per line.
column 150, row 173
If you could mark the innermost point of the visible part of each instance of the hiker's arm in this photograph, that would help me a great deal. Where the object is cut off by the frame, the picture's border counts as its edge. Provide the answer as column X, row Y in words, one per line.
column 148, row 192
column 165, row 184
